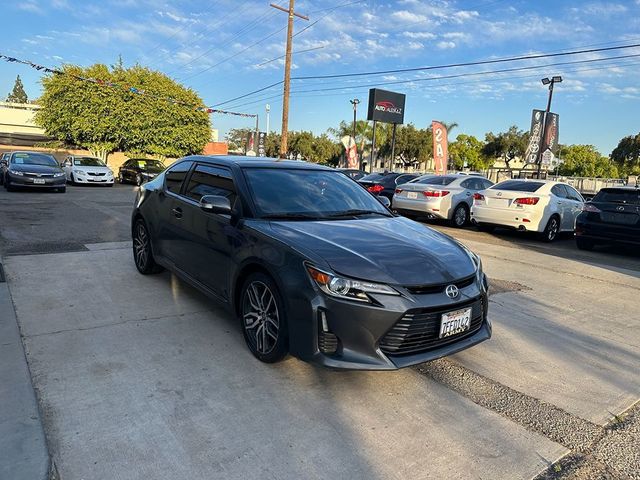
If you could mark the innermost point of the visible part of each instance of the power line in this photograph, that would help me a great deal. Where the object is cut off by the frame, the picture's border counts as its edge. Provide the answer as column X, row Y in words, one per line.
column 465, row 64
column 294, row 53
column 436, row 67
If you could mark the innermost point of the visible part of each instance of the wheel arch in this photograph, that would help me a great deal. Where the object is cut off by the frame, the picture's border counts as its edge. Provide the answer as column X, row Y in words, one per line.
column 248, row 268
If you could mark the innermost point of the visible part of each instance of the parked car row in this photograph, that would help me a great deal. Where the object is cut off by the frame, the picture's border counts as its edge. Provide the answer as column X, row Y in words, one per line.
column 545, row 207
column 25, row 169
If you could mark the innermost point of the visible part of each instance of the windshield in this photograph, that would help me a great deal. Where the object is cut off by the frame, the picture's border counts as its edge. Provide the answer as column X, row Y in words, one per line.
column 149, row 164
column 310, row 193
column 34, row 159
column 372, row 177
column 629, row 197
column 518, row 186
column 430, row 180
column 88, row 162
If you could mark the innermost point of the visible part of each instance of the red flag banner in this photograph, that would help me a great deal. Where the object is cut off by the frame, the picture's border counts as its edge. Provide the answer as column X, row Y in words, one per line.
column 440, row 147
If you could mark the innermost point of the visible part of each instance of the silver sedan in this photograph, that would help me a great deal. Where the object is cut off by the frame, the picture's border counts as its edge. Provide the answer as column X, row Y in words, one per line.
column 447, row 197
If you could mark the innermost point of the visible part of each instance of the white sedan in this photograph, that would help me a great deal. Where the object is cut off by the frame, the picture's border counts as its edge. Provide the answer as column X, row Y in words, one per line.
column 542, row 206
column 87, row 170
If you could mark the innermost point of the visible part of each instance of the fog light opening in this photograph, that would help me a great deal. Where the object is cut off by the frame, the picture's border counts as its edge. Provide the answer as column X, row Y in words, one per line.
column 327, row 341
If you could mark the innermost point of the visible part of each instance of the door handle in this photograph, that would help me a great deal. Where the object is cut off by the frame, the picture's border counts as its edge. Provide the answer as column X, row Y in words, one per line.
column 177, row 212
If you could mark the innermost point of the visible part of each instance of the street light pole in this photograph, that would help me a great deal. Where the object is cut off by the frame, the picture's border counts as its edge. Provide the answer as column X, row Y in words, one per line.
column 355, row 103
column 550, row 82
column 267, row 109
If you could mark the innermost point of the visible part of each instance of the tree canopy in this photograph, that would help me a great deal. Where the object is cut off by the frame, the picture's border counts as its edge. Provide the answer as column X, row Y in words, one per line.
column 506, row 145
column 18, row 95
column 466, row 151
column 105, row 119
column 627, row 154
column 585, row 161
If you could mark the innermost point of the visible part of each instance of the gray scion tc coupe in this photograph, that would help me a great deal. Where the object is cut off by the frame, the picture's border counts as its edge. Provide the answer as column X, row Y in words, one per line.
column 311, row 263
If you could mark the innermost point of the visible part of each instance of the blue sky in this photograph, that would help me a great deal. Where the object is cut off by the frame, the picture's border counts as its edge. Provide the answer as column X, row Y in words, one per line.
column 219, row 48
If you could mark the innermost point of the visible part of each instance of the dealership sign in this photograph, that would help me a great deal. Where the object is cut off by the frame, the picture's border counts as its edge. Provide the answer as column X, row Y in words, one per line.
column 535, row 137
column 262, row 144
column 551, row 132
column 387, row 107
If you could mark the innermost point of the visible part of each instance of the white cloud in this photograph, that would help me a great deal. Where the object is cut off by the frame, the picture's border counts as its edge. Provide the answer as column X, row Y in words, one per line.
column 455, row 35
column 421, row 35
column 601, row 9
column 415, row 46
column 30, row 6
column 407, row 16
column 445, row 45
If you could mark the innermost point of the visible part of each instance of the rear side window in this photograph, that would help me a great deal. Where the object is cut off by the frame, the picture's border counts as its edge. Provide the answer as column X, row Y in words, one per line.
column 629, row 197
column 372, row 177
column 210, row 180
column 518, row 186
column 559, row 191
column 175, row 176
column 404, row 179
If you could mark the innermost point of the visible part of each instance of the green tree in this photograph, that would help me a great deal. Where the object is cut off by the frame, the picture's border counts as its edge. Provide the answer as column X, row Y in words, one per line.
column 585, row 161
column 18, row 95
column 326, row 151
column 105, row 119
column 468, row 149
column 506, row 145
column 627, row 154
column 237, row 138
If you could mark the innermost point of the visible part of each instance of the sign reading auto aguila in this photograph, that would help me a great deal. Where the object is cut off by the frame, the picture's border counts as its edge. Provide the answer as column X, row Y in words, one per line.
column 385, row 106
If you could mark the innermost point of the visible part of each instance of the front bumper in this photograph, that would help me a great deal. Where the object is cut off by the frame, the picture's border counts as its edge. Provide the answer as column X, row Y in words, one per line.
column 91, row 179
column 607, row 233
column 360, row 329
column 36, row 182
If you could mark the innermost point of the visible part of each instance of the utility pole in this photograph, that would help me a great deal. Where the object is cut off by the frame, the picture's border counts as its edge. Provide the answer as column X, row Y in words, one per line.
column 355, row 103
column 287, row 74
column 550, row 82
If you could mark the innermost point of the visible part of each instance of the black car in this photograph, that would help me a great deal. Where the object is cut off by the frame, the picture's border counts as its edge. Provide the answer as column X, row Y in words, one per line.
column 613, row 216
column 139, row 170
column 385, row 183
column 31, row 170
column 310, row 263
column 353, row 173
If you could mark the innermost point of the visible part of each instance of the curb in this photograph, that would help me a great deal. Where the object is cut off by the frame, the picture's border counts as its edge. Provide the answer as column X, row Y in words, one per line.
column 24, row 454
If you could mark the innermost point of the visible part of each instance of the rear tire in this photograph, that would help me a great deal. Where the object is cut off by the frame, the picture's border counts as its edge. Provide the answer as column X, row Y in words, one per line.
column 263, row 318
column 584, row 244
column 552, row 229
column 460, row 216
column 142, row 253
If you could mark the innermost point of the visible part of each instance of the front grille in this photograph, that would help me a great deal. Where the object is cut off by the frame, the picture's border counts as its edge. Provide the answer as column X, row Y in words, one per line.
column 96, row 174
column 439, row 288
column 418, row 329
column 38, row 175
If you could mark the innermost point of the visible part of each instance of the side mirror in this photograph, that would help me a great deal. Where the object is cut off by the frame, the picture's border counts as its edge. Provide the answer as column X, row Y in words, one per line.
column 384, row 201
column 215, row 204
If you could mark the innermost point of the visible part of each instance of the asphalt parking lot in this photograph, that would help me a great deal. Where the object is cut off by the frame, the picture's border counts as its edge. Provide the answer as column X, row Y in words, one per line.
column 143, row 377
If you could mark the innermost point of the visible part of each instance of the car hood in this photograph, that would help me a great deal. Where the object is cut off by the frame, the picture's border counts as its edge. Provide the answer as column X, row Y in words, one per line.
column 21, row 167
column 387, row 250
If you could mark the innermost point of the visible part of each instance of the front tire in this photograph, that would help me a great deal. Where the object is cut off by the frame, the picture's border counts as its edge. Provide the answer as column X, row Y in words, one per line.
column 263, row 318
column 460, row 216
column 142, row 253
column 552, row 229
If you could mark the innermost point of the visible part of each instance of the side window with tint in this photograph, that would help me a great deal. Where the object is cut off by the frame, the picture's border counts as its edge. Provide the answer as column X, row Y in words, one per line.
column 210, row 180
column 559, row 191
column 574, row 194
column 175, row 176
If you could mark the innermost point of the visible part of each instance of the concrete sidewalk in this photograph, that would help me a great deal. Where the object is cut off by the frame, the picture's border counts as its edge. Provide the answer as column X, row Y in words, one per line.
column 23, row 449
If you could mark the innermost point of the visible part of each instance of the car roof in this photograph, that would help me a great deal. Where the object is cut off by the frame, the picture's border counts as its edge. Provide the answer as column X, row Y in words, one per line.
column 256, row 162
column 626, row 188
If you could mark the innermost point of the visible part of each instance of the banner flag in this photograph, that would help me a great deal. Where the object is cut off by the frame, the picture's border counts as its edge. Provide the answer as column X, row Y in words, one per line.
column 535, row 137
column 440, row 147
column 351, row 151
column 551, row 132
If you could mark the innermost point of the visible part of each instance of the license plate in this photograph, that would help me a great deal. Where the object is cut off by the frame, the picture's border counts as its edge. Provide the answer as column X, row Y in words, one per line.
column 412, row 194
column 456, row 322
column 38, row 180
column 499, row 202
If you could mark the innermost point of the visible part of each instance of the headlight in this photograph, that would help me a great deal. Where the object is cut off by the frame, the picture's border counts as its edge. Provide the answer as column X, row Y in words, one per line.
column 347, row 288
column 59, row 174
column 80, row 172
column 110, row 172
column 16, row 172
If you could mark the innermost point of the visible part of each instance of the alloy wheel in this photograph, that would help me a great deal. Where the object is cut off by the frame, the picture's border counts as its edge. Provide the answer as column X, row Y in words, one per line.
column 141, row 246
column 460, row 216
column 552, row 229
column 260, row 317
